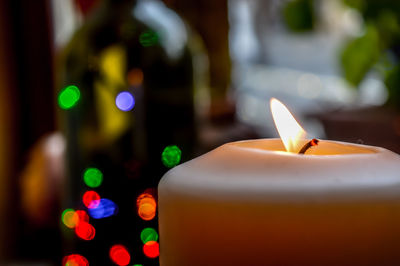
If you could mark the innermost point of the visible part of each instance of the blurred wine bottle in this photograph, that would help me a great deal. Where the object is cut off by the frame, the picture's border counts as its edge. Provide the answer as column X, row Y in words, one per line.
column 126, row 94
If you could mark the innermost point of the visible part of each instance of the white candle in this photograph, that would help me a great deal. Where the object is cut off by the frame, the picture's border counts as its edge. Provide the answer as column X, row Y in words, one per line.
column 252, row 203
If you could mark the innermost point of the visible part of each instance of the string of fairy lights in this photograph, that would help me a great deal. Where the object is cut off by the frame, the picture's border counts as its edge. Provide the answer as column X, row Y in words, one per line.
column 97, row 207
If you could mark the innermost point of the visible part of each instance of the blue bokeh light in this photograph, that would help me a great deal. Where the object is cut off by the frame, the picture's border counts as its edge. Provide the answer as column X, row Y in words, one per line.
column 125, row 101
column 106, row 208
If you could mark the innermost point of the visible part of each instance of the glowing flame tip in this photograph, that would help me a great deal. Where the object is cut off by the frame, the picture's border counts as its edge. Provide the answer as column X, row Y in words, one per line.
column 288, row 128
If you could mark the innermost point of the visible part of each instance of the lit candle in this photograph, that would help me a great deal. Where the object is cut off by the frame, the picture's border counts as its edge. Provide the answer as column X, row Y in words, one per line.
column 253, row 203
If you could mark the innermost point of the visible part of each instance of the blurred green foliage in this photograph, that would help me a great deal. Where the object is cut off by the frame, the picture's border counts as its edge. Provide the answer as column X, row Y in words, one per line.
column 299, row 15
column 378, row 47
column 360, row 55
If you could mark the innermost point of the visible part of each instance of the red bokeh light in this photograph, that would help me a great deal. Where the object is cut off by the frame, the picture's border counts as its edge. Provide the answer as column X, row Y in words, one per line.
column 91, row 199
column 85, row 231
column 120, row 255
column 75, row 260
column 151, row 249
column 83, row 216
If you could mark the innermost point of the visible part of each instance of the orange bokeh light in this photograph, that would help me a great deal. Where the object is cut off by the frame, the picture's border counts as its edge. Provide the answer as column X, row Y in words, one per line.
column 135, row 77
column 70, row 218
column 147, row 206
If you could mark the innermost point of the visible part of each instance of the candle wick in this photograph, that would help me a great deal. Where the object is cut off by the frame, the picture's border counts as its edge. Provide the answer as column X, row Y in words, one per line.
column 308, row 145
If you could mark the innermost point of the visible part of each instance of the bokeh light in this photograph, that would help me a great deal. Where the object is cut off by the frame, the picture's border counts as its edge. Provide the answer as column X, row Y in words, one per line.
column 125, row 101
column 148, row 38
column 135, row 77
column 105, row 208
column 147, row 206
column 82, row 216
column 151, row 249
column 148, row 234
column 69, row 218
column 171, row 156
column 85, row 231
column 91, row 199
column 93, row 177
column 120, row 255
column 75, row 260
column 68, row 97
column 147, row 211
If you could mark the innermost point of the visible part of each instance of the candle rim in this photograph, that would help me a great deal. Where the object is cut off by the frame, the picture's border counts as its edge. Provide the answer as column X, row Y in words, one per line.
column 367, row 149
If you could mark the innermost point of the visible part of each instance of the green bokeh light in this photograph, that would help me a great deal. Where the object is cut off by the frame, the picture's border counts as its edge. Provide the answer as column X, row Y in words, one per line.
column 68, row 97
column 148, row 234
column 148, row 38
column 64, row 213
column 93, row 177
column 69, row 218
column 171, row 156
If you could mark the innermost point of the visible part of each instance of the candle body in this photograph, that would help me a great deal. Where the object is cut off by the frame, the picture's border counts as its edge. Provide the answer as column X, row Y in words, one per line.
column 243, row 204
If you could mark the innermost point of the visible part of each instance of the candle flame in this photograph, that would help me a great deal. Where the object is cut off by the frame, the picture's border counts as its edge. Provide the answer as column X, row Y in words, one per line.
column 288, row 128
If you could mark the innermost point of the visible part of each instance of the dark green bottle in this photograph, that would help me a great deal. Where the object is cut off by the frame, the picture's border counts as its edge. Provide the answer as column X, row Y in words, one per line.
column 138, row 49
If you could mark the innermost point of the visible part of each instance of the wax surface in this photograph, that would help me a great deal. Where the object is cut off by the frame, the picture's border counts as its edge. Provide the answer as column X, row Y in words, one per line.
column 250, row 203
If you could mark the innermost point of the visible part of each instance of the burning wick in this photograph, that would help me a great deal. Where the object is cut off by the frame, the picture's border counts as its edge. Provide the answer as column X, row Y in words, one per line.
column 308, row 145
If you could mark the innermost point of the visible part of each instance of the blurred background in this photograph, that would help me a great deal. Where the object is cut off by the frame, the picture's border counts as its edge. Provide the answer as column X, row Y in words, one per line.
column 99, row 98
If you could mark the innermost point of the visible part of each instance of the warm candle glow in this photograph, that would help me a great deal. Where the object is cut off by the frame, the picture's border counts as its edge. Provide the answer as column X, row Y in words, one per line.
column 288, row 128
